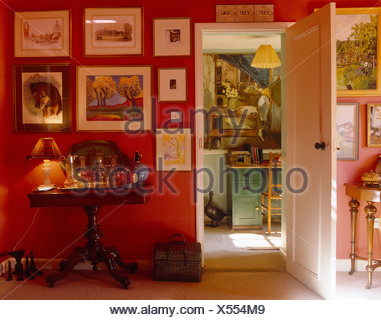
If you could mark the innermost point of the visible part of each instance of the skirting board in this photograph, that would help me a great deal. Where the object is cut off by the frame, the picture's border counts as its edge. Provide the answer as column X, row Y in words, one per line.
column 345, row 265
column 53, row 264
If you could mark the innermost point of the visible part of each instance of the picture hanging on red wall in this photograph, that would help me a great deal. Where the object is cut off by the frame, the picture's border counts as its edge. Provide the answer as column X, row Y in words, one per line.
column 173, row 86
column 113, row 31
column 173, row 149
column 42, row 34
column 358, row 39
column 42, row 98
column 172, row 37
column 114, row 98
column 374, row 125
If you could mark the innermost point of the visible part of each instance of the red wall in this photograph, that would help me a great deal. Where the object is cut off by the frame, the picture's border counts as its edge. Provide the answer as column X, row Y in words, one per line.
column 4, row 137
column 54, row 231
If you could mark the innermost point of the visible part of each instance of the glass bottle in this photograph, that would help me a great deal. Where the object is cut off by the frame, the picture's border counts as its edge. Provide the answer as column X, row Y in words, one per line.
column 99, row 173
column 83, row 173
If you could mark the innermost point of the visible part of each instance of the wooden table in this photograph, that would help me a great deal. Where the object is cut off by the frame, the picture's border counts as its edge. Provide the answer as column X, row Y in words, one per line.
column 371, row 195
column 91, row 200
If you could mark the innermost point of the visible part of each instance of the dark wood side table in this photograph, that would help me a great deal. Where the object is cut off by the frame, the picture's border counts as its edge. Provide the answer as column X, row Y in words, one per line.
column 371, row 195
column 94, row 251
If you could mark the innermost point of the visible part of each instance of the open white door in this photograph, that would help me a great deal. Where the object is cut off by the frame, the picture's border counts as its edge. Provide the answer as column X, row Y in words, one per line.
column 311, row 172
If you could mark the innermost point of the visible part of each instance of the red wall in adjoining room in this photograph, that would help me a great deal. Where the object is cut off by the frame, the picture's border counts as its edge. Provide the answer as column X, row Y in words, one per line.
column 5, row 129
column 133, row 228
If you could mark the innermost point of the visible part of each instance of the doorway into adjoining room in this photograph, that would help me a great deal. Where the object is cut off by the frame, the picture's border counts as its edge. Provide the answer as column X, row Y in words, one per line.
column 243, row 126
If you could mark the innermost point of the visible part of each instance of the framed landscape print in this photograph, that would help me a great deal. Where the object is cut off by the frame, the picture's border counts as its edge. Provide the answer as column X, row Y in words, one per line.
column 113, row 31
column 42, row 34
column 374, row 125
column 41, row 98
column 114, row 98
column 172, row 37
column 358, row 54
column 173, row 85
column 347, row 117
column 173, row 149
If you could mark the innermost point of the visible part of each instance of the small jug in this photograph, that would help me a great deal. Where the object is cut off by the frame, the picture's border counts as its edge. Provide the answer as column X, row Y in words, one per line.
column 68, row 164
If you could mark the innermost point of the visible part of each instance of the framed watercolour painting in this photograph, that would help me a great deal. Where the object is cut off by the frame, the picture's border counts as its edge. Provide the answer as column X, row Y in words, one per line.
column 113, row 31
column 41, row 98
column 358, row 58
column 173, row 149
column 172, row 37
column 374, row 125
column 347, row 125
column 114, row 98
column 173, row 85
column 42, row 34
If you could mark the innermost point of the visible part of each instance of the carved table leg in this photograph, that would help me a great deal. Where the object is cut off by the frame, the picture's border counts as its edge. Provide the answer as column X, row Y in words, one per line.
column 109, row 259
column 130, row 267
column 78, row 255
column 370, row 210
column 353, row 204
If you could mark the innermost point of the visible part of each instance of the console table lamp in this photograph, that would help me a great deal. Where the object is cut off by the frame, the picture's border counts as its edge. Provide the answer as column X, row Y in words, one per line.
column 45, row 149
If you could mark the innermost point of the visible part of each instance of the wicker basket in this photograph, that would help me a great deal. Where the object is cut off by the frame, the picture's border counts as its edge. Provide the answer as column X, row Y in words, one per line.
column 177, row 260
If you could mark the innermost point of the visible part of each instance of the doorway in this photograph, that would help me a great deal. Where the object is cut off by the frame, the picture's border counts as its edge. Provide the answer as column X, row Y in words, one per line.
column 242, row 39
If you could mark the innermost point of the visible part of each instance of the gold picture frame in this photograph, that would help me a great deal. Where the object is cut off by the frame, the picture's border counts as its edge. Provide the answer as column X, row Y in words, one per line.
column 373, row 124
column 358, row 67
column 113, row 31
column 114, row 98
column 42, row 34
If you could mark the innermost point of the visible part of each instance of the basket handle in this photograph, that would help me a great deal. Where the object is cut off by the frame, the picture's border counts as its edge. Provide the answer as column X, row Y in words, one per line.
column 177, row 235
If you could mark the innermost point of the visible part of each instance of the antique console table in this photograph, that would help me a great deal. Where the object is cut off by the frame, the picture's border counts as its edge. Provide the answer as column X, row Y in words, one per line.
column 371, row 195
column 94, row 251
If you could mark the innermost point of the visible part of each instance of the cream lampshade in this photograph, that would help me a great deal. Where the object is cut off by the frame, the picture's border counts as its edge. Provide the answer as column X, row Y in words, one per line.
column 45, row 149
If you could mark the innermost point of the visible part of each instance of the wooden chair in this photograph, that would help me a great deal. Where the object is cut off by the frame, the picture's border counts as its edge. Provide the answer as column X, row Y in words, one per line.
column 273, row 192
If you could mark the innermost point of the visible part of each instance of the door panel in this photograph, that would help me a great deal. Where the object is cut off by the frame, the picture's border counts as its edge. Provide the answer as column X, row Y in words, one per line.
column 311, row 103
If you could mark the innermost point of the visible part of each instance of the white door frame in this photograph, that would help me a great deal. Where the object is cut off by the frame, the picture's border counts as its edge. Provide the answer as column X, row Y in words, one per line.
column 200, row 28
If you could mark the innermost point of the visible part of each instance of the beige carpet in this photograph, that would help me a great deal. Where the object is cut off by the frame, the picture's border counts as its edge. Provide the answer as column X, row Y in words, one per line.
column 243, row 250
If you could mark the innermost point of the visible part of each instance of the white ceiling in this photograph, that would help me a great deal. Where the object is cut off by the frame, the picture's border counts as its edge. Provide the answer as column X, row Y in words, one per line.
column 238, row 42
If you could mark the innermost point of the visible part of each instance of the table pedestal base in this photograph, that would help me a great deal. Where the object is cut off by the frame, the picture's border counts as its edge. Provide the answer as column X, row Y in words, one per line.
column 95, row 252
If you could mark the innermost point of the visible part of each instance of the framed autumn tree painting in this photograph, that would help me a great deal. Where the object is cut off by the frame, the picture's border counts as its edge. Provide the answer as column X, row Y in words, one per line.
column 114, row 98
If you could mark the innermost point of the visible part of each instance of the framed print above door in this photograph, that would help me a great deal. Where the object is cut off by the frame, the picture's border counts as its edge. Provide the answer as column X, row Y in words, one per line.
column 358, row 53
column 172, row 37
column 42, row 34
column 114, row 98
column 41, row 98
column 113, row 31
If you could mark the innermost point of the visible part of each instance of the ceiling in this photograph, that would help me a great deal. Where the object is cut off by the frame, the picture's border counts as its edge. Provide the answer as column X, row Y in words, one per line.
column 238, row 42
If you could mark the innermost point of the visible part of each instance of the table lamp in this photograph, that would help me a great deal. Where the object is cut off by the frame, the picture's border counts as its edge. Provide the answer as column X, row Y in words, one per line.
column 45, row 149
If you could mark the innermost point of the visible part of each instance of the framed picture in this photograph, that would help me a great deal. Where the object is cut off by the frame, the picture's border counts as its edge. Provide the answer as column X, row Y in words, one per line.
column 113, row 31
column 374, row 125
column 42, row 34
column 41, row 98
column 173, row 149
column 114, row 98
column 347, row 125
column 172, row 37
column 173, row 86
column 358, row 59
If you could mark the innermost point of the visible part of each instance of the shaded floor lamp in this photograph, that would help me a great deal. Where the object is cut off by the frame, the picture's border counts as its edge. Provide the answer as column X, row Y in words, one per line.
column 266, row 58
column 45, row 149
